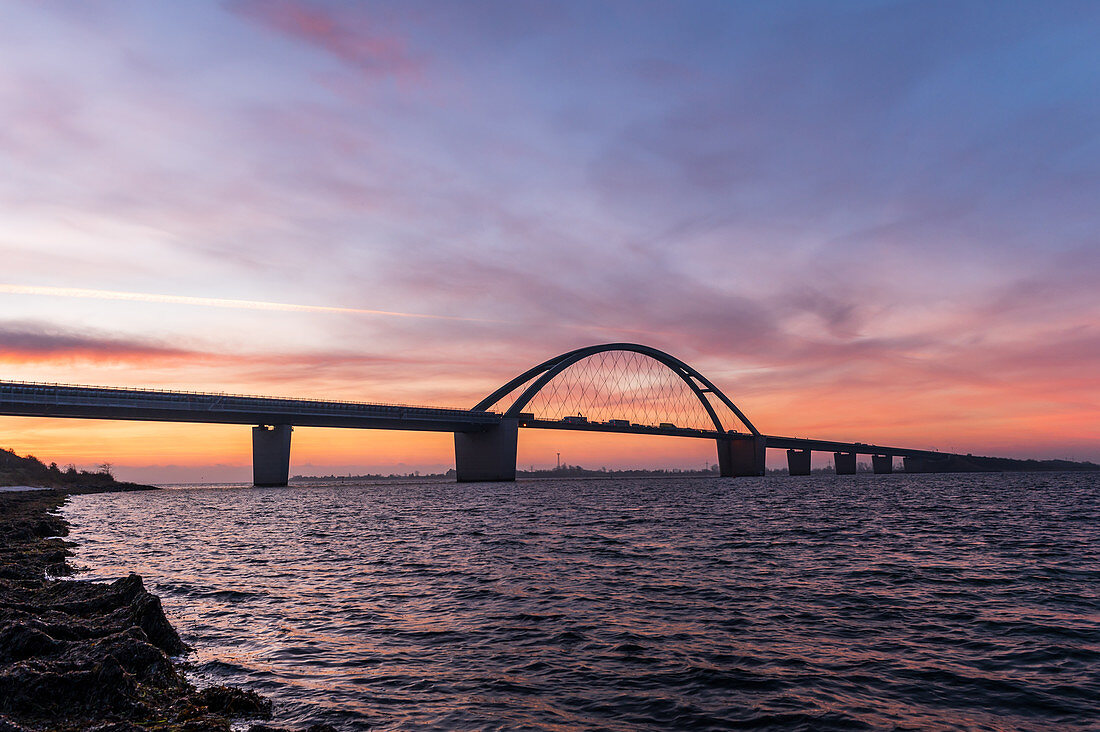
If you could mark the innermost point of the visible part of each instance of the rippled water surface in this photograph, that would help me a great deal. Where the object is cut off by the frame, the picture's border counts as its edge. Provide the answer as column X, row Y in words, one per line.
column 861, row 601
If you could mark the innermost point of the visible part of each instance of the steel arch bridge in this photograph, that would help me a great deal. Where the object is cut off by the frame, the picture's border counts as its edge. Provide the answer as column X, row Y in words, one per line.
column 636, row 389
column 613, row 387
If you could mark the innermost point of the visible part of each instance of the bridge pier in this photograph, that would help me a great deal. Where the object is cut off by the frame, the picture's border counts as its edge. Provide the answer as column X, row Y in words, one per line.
column 488, row 455
column 845, row 463
column 271, row 454
column 882, row 464
column 740, row 456
column 798, row 462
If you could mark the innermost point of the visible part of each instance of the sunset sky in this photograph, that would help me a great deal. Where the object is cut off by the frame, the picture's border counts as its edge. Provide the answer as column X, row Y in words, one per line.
column 873, row 221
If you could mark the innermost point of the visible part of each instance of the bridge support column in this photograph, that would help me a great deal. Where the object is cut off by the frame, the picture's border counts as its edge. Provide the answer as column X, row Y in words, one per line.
column 271, row 454
column 740, row 456
column 798, row 462
column 882, row 464
column 845, row 463
column 487, row 455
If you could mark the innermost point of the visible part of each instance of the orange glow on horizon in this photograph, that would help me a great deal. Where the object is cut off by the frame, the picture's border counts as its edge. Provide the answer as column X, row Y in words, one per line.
column 992, row 417
column 216, row 451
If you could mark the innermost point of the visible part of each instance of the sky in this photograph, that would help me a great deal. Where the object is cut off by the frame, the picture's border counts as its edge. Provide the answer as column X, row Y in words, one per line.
column 870, row 221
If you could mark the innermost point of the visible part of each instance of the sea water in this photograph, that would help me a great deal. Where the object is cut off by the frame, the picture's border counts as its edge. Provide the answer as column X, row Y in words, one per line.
column 888, row 601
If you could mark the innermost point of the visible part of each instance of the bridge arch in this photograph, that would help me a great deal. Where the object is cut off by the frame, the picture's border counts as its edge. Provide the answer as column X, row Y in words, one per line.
column 539, row 376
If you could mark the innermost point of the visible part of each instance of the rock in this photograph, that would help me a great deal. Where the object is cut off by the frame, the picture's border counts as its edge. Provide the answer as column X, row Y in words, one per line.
column 150, row 617
column 131, row 649
column 6, row 725
column 147, row 613
column 205, row 724
column 59, row 569
column 234, row 702
column 20, row 641
column 117, row 727
column 27, row 689
column 50, row 526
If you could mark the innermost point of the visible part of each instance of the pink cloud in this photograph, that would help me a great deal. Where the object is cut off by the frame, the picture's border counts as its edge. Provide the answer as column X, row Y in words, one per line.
column 353, row 38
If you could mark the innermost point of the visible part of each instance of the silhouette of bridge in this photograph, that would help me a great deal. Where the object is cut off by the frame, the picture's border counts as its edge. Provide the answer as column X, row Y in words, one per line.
column 615, row 387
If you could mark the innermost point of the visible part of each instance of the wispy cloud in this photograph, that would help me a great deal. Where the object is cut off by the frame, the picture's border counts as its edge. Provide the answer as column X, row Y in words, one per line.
column 356, row 38
column 218, row 302
column 23, row 341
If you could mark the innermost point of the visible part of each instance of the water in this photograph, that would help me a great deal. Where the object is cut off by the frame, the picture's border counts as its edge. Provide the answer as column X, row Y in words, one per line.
column 822, row 603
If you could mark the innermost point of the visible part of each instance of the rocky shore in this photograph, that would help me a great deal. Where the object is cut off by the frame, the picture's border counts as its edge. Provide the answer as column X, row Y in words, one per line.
column 91, row 656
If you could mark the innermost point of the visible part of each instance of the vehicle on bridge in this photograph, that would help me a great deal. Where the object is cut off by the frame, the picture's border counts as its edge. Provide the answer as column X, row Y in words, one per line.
column 618, row 422
column 575, row 419
column 666, row 426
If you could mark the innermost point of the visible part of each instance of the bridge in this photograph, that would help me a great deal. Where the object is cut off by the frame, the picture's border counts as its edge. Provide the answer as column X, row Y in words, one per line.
column 615, row 387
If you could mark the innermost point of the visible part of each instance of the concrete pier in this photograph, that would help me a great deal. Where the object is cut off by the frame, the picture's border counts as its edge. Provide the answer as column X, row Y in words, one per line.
column 271, row 454
column 740, row 456
column 488, row 455
column 882, row 464
column 798, row 462
column 845, row 463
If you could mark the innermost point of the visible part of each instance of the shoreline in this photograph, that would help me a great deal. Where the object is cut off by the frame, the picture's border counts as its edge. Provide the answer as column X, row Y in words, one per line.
column 83, row 656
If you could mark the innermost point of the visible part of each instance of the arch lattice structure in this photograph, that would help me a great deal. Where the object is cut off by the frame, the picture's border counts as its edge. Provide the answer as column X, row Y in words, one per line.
column 619, row 381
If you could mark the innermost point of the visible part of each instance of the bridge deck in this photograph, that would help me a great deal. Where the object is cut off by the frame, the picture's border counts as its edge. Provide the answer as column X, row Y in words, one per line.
column 633, row 429
column 860, row 448
column 96, row 402
column 772, row 441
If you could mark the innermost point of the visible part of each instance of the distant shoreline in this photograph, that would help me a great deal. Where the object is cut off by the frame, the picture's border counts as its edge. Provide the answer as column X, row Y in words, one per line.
column 19, row 473
column 968, row 464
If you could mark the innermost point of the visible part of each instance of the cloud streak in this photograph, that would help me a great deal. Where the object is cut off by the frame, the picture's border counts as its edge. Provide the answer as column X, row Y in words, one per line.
column 353, row 38
column 219, row 302
column 36, row 341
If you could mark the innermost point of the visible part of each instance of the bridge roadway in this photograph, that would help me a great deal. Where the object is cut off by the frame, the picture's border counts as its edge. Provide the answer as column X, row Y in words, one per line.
column 770, row 441
column 95, row 402
column 485, row 442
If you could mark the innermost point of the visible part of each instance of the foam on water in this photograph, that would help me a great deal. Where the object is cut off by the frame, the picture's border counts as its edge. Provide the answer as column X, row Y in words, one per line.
column 821, row 603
